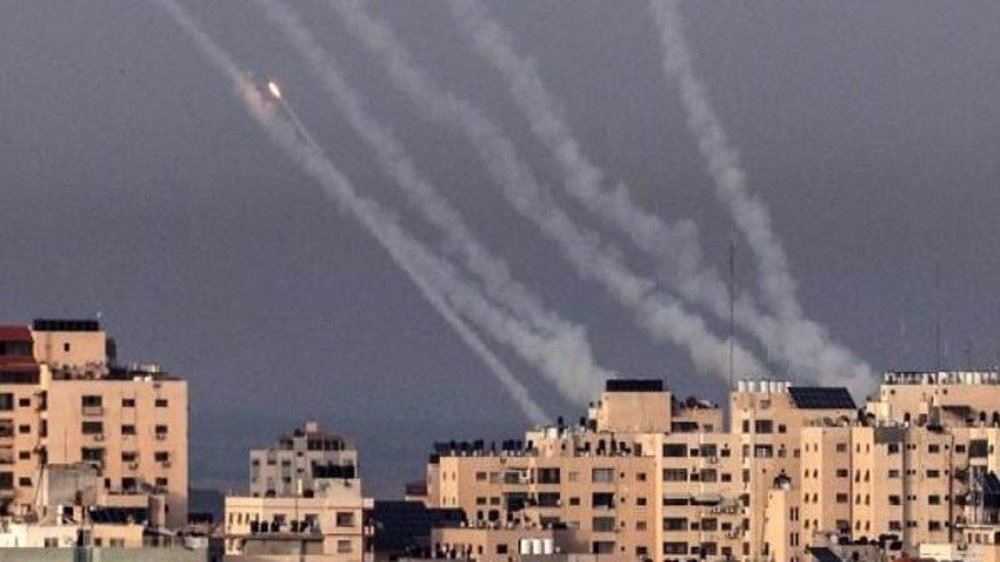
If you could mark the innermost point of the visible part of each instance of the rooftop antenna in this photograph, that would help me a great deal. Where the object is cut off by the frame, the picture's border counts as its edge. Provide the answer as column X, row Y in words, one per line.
column 901, row 359
column 732, row 305
column 969, row 349
column 937, row 313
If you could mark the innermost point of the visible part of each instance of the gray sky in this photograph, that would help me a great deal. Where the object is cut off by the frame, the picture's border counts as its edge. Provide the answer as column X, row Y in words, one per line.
column 134, row 184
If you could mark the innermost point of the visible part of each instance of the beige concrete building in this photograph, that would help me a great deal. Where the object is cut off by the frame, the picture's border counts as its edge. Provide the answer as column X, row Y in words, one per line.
column 306, row 502
column 65, row 400
column 289, row 466
column 644, row 475
column 797, row 469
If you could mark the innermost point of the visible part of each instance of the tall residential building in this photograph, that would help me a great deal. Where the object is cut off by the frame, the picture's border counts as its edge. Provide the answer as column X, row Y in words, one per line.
column 645, row 475
column 305, row 500
column 66, row 401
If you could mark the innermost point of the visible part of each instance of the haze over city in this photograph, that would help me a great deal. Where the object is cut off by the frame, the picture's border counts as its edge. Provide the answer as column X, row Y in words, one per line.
column 141, row 191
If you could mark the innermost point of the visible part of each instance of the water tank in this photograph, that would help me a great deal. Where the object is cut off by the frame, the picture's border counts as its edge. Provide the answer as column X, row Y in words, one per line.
column 741, row 385
column 524, row 546
column 536, row 546
column 547, row 546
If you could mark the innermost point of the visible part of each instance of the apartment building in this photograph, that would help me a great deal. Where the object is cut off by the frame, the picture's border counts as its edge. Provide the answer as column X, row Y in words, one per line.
column 290, row 465
column 65, row 400
column 306, row 500
column 644, row 474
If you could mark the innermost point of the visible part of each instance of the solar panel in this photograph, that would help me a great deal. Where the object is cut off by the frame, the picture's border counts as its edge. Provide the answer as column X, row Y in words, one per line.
column 821, row 398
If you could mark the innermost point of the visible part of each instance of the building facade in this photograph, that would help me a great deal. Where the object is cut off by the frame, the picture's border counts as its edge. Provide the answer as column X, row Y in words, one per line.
column 794, row 469
column 65, row 401
column 306, row 500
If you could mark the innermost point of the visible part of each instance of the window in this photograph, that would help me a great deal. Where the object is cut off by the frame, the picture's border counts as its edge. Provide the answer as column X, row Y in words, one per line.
column 605, row 500
column 344, row 546
column 91, row 401
column 676, row 500
column 161, row 430
column 24, row 428
column 24, row 455
column 128, row 429
column 345, row 519
column 89, row 454
column 746, row 426
column 501, row 549
column 129, row 456
column 548, row 499
column 161, row 456
column 129, row 484
column 893, row 473
column 162, row 482
column 548, row 476
column 933, row 473
column 24, row 402
column 640, row 501
column 161, row 403
column 674, row 450
column 602, row 475
column 894, row 500
column 603, row 524
column 843, row 473
column 842, row 498
column 24, row 482
column 574, row 501
column 92, row 428
column 841, row 447
column 934, row 500
column 480, row 477
column 675, row 548
column 117, row 543
column 128, row 402
column 675, row 524
column 675, row 475
column 763, row 426
column 6, row 402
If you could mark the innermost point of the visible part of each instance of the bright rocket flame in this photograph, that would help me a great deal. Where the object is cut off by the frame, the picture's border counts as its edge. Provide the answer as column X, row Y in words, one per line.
column 272, row 86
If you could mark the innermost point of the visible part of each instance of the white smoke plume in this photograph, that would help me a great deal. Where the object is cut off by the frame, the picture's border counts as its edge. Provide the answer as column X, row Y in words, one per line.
column 419, row 264
column 751, row 216
column 559, row 349
column 661, row 315
column 800, row 344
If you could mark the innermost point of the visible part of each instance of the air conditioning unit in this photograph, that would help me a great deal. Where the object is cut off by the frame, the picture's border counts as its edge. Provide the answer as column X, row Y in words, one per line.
column 99, row 437
column 166, row 464
column 161, row 436
column 133, row 465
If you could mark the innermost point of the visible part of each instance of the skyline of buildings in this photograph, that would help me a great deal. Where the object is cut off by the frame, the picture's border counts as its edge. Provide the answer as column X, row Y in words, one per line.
column 94, row 454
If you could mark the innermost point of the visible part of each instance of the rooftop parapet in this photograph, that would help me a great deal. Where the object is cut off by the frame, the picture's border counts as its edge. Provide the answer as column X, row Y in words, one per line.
column 899, row 378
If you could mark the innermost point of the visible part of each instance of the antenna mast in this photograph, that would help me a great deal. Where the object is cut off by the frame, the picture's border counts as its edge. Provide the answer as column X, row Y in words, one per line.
column 937, row 313
column 732, row 306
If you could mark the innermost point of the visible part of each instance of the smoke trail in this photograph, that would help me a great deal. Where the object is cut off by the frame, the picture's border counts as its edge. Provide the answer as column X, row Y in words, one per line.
column 664, row 318
column 801, row 344
column 748, row 211
column 403, row 250
column 574, row 370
